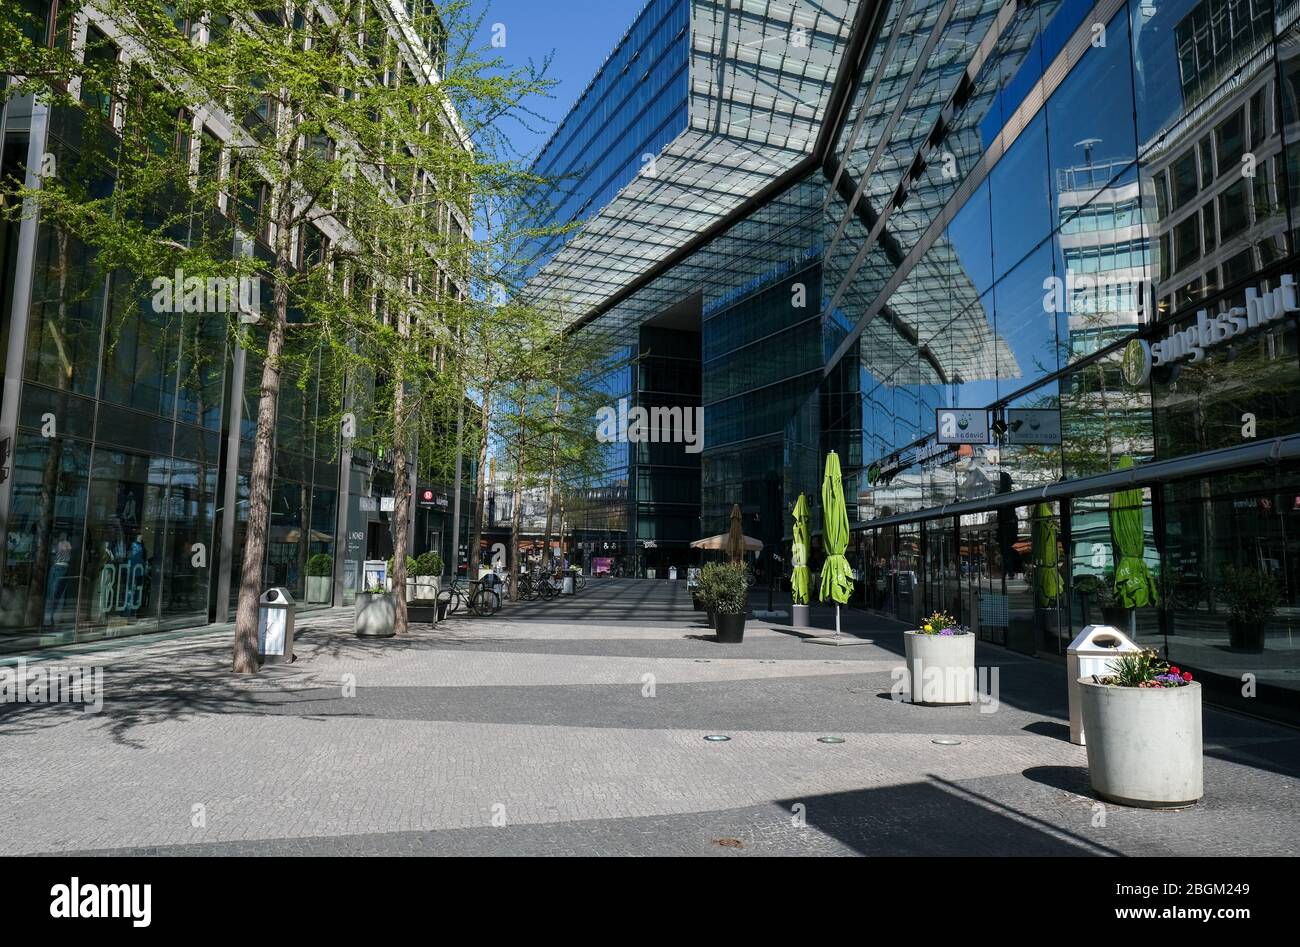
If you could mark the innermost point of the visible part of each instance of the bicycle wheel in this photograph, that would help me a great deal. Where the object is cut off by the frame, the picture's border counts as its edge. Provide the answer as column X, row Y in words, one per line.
column 484, row 602
column 548, row 590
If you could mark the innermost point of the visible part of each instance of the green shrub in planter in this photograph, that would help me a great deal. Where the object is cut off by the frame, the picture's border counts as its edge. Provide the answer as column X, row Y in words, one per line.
column 320, row 564
column 320, row 578
column 730, row 597
column 410, row 566
column 1252, row 597
column 708, row 584
column 428, row 563
column 730, row 590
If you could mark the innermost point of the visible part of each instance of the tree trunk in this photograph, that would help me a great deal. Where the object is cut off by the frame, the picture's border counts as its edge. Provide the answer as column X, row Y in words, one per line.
column 259, row 490
column 517, row 514
column 263, row 469
column 401, row 507
column 472, row 556
column 550, row 484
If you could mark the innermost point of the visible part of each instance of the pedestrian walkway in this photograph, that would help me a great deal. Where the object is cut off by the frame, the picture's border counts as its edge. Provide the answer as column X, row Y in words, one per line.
column 577, row 727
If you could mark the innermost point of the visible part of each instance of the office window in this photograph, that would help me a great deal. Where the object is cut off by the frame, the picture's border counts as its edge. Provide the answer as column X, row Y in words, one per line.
column 1230, row 142
column 1184, row 174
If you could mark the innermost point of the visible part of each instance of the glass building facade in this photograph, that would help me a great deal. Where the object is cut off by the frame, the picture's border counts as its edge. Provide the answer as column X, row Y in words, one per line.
column 126, row 431
column 1059, row 220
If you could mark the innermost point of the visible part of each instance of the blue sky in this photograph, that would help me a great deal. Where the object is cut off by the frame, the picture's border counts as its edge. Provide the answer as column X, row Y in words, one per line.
column 580, row 32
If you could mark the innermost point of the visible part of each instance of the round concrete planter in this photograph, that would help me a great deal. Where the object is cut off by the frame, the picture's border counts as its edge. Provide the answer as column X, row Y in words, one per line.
column 1144, row 743
column 730, row 628
column 799, row 617
column 941, row 668
column 376, row 615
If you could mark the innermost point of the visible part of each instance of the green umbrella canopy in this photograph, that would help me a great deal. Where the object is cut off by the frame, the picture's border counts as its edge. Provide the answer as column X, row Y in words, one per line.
column 1135, row 587
column 837, row 577
column 736, row 536
column 1047, row 580
column 799, row 552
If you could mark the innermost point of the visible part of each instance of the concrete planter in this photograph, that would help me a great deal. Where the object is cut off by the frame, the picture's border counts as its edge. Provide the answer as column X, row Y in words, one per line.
column 941, row 668
column 801, row 616
column 1144, row 743
column 375, row 615
column 427, row 588
column 318, row 589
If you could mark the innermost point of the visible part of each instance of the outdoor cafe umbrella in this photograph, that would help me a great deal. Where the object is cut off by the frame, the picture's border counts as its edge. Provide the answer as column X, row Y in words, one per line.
column 837, row 577
column 720, row 542
column 1135, row 587
column 1044, row 554
column 799, row 552
column 735, row 537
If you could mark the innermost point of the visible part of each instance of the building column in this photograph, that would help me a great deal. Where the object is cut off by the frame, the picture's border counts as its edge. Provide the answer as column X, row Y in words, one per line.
column 15, row 355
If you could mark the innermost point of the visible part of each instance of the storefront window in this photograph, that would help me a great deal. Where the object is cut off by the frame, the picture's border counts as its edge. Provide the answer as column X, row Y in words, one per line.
column 43, row 561
column 1234, row 540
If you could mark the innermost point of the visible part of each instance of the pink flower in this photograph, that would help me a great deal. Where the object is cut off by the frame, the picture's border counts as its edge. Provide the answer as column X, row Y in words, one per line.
column 1187, row 676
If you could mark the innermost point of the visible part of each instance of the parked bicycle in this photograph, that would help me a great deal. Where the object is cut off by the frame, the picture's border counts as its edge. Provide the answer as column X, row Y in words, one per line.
column 478, row 598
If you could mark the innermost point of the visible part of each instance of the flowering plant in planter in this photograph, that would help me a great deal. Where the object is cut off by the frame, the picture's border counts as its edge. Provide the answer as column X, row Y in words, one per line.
column 1145, row 703
column 1145, row 669
column 941, row 623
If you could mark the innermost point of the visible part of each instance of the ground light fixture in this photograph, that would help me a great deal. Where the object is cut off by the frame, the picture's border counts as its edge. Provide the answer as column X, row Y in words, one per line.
column 947, row 742
column 830, row 739
column 716, row 737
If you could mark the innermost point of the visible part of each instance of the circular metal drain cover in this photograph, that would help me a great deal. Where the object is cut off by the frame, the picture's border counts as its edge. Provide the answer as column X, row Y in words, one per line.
column 702, row 661
column 830, row 739
column 729, row 842
column 947, row 742
column 717, row 738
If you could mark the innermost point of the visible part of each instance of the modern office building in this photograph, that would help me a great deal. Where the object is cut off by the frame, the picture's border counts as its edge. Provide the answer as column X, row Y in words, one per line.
column 126, row 434
column 1071, row 226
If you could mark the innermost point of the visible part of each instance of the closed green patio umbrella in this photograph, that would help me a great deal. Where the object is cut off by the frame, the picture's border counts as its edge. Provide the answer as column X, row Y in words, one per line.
column 799, row 552
column 1047, row 580
column 837, row 577
column 1135, row 586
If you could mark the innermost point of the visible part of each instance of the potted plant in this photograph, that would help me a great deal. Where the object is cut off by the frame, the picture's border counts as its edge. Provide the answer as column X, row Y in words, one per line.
column 730, row 602
column 1143, row 723
column 707, row 589
column 376, row 613
column 428, row 577
column 940, row 659
column 1251, row 597
column 320, row 576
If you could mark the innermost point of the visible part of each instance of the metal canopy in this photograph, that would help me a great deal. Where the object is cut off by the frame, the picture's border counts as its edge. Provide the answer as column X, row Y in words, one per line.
column 760, row 80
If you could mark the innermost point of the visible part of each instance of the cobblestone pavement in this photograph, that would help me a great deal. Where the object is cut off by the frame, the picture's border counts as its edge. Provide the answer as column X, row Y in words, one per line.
column 576, row 727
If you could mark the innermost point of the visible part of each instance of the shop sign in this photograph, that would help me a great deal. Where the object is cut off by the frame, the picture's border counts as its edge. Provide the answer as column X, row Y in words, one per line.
column 962, row 425
column 1033, row 426
column 1263, row 307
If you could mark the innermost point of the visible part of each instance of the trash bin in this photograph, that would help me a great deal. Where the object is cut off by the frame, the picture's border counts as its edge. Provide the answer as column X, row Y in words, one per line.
column 275, row 626
column 672, row 573
column 1091, row 653
column 569, row 586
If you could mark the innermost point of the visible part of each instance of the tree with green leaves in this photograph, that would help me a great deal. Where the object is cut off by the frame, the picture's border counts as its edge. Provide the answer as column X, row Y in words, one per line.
column 331, row 153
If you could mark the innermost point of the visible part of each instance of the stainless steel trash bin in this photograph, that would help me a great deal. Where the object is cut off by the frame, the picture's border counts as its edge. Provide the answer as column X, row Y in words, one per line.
column 1091, row 653
column 275, row 611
